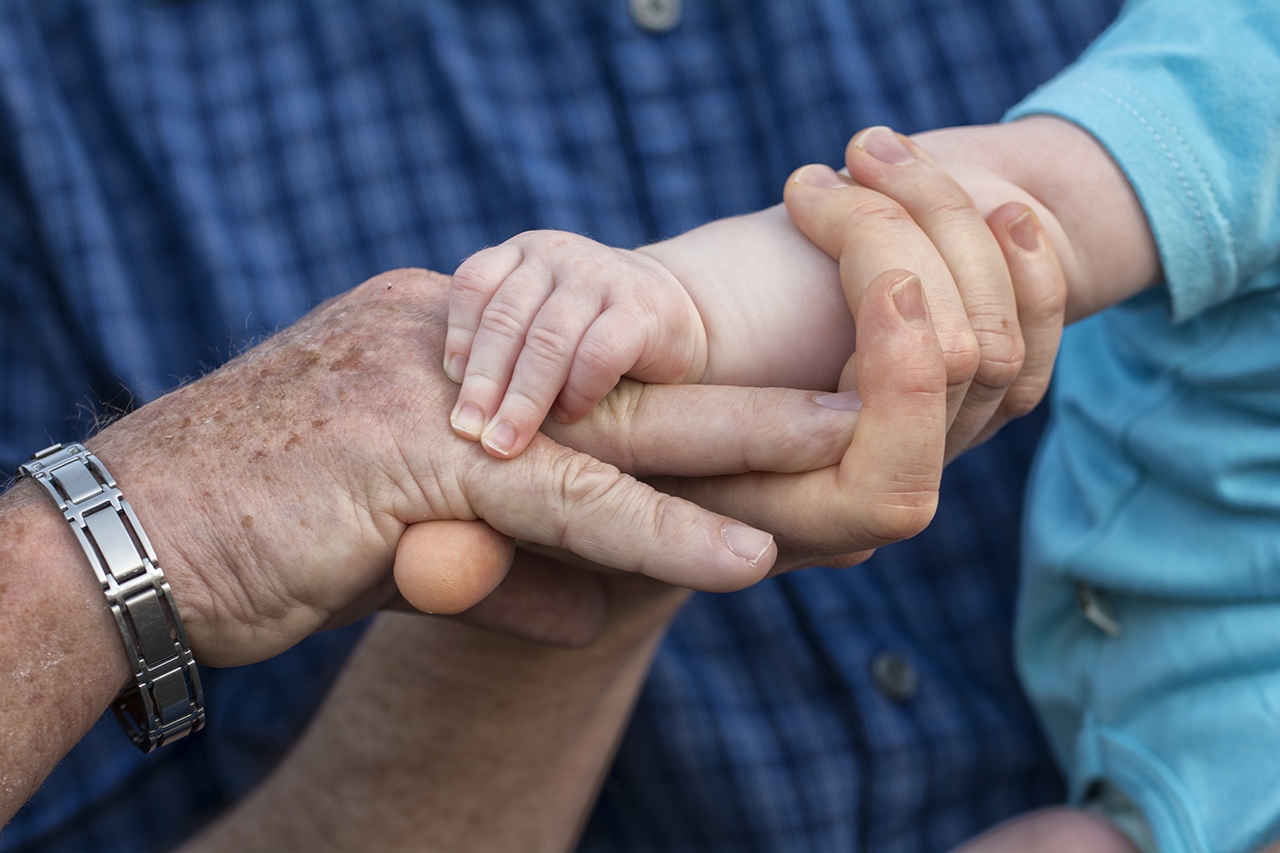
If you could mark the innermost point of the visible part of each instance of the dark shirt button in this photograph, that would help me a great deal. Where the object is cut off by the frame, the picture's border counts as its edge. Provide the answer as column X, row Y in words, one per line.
column 656, row 16
column 895, row 676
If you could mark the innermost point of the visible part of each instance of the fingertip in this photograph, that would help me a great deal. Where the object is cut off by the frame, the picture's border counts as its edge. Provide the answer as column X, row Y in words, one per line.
column 819, row 176
column 754, row 547
column 455, row 367
column 883, row 144
column 899, row 348
column 745, row 557
column 467, row 420
column 909, row 299
column 820, row 216
column 502, row 439
column 1018, row 224
column 571, row 407
column 449, row 566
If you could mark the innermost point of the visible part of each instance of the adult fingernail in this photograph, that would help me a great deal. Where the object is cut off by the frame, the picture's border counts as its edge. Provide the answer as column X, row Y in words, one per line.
column 455, row 367
column 468, row 420
column 908, row 298
column 1023, row 231
column 747, row 542
column 820, row 175
column 501, row 438
column 884, row 145
column 845, row 401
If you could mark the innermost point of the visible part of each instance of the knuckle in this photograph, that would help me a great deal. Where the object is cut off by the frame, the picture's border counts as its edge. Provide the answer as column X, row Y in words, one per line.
column 760, row 406
column 1003, row 355
column 548, row 345
column 903, row 517
column 880, row 211
column 948, row 204
column 1046, row 296
column 521, row 410
column 597, row 359
column 470, row 279
column 1024, row 396
column 960, row 352
column 667, row 518
column 590, row 486
column 502, row 319
column 621, row 413
column 574, row 403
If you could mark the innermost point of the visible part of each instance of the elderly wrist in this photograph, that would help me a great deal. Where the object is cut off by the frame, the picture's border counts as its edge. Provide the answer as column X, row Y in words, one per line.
column 170, row 502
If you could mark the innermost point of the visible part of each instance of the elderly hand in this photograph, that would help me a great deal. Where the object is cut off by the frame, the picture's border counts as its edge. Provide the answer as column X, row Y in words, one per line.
column 880, row 487
column 276, row 489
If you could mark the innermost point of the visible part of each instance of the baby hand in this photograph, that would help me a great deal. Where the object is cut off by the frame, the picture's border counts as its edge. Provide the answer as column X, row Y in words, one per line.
column 549, row 322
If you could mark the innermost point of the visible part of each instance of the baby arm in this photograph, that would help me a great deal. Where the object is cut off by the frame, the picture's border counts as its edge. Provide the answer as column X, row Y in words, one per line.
column 550, row 321
column 768, row 306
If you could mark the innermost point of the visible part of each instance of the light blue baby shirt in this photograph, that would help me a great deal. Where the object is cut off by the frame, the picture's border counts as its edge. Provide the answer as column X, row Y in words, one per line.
column 1158, row 484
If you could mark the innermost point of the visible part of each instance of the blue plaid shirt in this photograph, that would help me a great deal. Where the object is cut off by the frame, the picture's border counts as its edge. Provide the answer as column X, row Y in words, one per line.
column 179, row 178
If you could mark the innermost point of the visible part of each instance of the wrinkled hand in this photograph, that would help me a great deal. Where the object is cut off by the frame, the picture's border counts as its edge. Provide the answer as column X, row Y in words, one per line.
column 831, row 498
column 276, row 489
column 882, row 486
column 994, row 287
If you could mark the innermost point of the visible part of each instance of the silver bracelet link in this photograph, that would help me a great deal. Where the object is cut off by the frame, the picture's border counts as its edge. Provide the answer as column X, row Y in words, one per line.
column 167, row 702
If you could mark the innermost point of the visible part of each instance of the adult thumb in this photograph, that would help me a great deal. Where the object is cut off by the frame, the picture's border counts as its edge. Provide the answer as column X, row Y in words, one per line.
column 818, row 209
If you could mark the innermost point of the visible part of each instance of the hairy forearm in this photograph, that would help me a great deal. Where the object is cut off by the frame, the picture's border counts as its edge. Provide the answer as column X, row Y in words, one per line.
column 61, row 659
column 441, row 737
column 1087, row 206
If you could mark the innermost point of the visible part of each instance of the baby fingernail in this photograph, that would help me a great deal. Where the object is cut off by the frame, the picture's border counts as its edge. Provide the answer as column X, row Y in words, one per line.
column 1023, row 231
column 501, row 438
column 747, row 542
column 820, row 175
column 468, row 420
column 845, row 401
column 908, row 298
column 455, row 367
column 884, row 145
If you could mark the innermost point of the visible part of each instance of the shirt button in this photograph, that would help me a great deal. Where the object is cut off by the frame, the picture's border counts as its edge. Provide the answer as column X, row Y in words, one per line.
column 656, row 16
column 894, row 676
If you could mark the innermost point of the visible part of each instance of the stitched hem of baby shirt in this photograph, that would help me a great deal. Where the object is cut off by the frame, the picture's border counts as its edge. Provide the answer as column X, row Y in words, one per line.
column 1193, row 236
column 1113, row 758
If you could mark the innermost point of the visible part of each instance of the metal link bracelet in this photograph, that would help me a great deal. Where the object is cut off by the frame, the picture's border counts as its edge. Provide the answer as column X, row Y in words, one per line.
column 167, row 702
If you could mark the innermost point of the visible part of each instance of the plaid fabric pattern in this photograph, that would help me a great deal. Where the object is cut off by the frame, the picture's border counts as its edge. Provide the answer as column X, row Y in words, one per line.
column 179, row 178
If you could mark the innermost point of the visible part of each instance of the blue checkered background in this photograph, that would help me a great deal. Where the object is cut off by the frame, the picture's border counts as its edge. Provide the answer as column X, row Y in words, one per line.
column 180, row 178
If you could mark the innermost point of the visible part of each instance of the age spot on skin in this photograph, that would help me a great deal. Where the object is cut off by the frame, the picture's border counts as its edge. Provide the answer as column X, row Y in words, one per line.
column 350, row 360
column 293, row 441
column 318, row 423
column 246, row 522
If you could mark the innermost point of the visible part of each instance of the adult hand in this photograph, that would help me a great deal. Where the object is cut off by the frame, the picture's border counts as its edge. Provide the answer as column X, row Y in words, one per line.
column 466, row 719
column 994, row 286
column 276, row 489
column 882, row 488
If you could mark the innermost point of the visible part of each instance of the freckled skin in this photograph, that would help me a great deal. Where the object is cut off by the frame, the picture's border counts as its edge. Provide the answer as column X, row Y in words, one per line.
column 335, row 388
